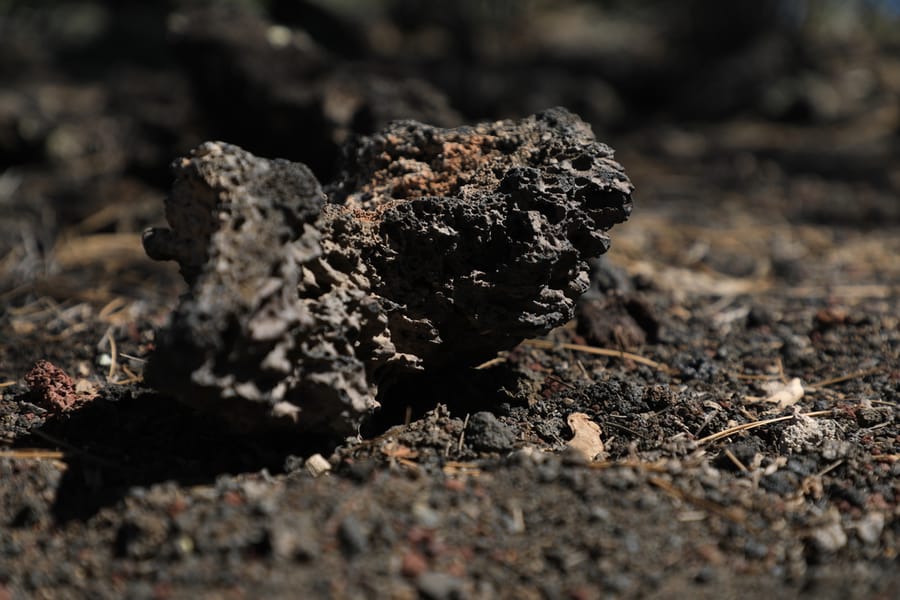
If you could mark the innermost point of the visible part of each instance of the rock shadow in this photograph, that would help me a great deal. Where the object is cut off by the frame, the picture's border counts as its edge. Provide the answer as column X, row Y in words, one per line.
column 131, row 437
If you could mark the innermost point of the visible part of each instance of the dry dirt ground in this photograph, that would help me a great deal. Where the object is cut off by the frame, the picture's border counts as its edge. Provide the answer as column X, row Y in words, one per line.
column 739, row 351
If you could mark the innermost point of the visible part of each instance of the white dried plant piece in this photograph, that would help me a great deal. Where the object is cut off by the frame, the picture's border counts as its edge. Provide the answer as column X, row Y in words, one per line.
column 317, row 465
column 586, row 441
column 782, row 395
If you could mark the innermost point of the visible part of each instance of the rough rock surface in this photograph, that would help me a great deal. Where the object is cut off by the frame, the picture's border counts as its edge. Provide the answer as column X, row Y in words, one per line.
column 433, row 249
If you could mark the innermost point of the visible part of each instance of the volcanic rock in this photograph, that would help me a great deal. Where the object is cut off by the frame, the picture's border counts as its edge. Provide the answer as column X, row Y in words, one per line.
column 433, row 249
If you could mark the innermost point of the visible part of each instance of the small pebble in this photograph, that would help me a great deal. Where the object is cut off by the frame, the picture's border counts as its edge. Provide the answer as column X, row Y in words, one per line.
column 440, row 586
column 414, row 564
column 425, row 515
column 830, row 537
column 869, row 528
column 354, row 538
column 485, row 433
column 316, row 465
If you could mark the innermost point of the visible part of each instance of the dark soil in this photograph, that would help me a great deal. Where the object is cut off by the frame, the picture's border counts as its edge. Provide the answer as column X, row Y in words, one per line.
column 763, row 247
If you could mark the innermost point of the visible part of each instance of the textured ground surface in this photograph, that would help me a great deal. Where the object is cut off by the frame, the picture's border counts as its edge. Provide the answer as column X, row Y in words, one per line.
column 751, row 445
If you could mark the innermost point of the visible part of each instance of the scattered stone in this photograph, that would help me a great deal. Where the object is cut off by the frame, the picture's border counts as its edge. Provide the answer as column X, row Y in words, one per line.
column 832, row 449
column 53, row 389
column 780, row 482
column 607, row 322
column 140, row 536
column 831, row 316
column 294, row 538
column 486, row 433
column 619, row 583
column 440, row 586
column 760, row 316
column 807, row 434
column 606, row 277
column 426, row 516
column 413, row 564
column 316, row 465
column 353, row 535
column 871, row 416
column 755, row 549
column 829, row 537
column 869, row 528
column 293, row 463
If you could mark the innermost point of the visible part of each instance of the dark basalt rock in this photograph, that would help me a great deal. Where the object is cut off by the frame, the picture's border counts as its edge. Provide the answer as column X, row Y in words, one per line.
column 433, row 249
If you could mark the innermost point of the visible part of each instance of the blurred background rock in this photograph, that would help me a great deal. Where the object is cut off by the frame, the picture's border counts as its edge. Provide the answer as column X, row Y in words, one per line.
column 799, row 98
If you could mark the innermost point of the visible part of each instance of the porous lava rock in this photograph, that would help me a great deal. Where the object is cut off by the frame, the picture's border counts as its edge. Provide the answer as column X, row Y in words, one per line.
column 433, row 249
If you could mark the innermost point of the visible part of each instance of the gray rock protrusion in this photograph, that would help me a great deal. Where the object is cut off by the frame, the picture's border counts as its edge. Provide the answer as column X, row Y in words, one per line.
column 433, row 249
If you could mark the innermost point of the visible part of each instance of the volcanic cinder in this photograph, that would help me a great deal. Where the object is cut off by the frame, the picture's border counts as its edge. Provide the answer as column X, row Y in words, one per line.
column 433, row 249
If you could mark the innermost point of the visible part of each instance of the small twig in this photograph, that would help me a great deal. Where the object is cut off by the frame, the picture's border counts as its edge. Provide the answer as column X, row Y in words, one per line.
column 738, row 428
column 497, row 360
column 132, row 376
column 134, row 358
column 736, row 461
column 708, row 419
column 113, row 356
column 844, row 378
column 623, row 428
column 548, row 345
column 657, row 467
column 111, row 307
column 32, row 453
column 733, row 515
column 461, row 468
column 7, row 384
column 879, row 426
column 113, row 353
column 16, row 291
column 560, row 381
column 68, row 332
column 462, row 435
column 781, row 374
column 886, row 458
column 830, row 468
column 883, row 402
column 584, row 372
column 756, row 377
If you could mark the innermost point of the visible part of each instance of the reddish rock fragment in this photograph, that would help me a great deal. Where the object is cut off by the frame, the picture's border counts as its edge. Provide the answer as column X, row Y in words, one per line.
column 413, row 564
column 52, row 387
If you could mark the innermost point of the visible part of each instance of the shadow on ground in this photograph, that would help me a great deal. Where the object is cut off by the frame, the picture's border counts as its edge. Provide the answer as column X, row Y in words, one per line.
column 131, row 437
column 136, row 437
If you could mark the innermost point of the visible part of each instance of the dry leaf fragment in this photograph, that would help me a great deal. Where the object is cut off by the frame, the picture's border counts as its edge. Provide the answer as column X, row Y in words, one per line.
column 586, row 440
column 84, row 387
column 399, row 451
column 782, row 395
